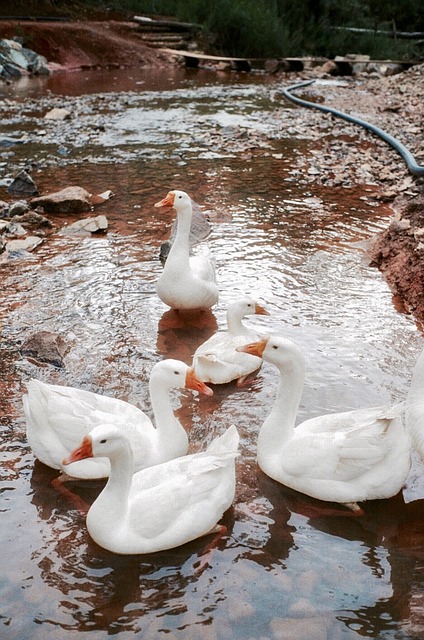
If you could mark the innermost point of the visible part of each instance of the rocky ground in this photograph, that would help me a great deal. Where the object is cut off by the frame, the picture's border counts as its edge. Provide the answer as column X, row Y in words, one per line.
column 395, row 103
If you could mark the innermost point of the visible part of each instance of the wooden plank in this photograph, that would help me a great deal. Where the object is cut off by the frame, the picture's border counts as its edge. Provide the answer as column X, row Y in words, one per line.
column 193, row 58
column 168, row 24
column 202, row 56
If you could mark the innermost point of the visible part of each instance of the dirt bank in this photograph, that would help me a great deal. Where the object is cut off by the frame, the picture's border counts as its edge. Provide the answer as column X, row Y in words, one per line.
column 394, row 103
column 76, row 45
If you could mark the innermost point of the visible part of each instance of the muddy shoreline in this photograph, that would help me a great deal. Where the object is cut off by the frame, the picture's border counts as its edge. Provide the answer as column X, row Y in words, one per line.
column 344, row 155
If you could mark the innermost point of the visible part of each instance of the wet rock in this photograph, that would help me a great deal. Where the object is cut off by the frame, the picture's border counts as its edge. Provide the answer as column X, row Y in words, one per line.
column 58, row 114
column 4, row 209
column 68, row 200
column 18, row 208
column 88, row 225
column 15, row 248
column 330, row 68
column 22, row 185
column 14, row 230
column 16, row 60
column 34, row 220
column 275, row 66
column 386, row 69
column 7, row 141
column 46, row 346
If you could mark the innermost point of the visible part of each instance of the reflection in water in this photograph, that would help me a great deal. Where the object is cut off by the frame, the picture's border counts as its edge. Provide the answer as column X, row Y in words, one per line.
column 180, row 333
column 290, row 567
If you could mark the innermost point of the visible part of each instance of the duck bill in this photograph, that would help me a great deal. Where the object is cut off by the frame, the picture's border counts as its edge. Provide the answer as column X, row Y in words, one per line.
column 193, row 382
column 167, row 201
column 260, row 310
column 254, row 348
column 85, row 450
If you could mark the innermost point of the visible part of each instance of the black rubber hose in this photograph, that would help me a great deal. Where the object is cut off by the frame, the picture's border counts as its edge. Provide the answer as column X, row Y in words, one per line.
column 413, row 166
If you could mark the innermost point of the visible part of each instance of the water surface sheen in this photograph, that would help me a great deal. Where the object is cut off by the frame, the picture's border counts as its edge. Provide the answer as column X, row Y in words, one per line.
column 288, row 568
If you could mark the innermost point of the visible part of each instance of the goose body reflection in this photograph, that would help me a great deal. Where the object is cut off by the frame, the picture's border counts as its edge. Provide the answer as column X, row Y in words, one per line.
column 58, row 417
column 216, row 360
column 187, row 282
column 347, row 457
column 163, row 506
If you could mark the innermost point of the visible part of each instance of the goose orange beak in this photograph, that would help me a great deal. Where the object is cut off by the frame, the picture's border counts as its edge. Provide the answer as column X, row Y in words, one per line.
column 254, row 348
column 193, row 382
column 167, row 201
column 261, row 311
column 85, row 450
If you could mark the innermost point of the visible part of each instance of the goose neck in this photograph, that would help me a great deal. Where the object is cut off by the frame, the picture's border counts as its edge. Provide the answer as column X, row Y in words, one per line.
column 113, row 500
column 181, row 244
column 278, row 427
column 235, row 324
column 162, row 408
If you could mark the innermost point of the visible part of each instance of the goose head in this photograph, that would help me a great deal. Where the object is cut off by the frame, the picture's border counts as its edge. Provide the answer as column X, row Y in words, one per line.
column 105, row 441
column 179, row 200
column 246, row 307
column 174, row 374
column 279, row 351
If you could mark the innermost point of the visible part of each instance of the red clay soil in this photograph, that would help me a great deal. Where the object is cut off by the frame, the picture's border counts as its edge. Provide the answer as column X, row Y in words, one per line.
column 399, row 254
column 85, row 44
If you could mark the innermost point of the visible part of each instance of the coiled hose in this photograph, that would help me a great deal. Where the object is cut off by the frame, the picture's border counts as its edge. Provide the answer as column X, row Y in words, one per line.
column 411, row 163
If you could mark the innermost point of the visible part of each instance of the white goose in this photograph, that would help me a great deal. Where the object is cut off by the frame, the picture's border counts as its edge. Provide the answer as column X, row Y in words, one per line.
column 348, row 457
column 186, row 282
column 414, row 410
column 217, row 360
column 163, row 506
column 58, row 417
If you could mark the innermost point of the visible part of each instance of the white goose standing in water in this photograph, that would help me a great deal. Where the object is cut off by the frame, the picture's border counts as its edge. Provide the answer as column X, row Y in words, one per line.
column 186, row 282
column 348, row 457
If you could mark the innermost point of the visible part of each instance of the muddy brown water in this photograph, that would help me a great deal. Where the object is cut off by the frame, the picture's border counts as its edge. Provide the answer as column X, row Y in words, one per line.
column 288, row 567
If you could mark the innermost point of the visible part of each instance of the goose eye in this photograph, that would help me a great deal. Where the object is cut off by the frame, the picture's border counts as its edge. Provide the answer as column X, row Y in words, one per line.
column 103, row 441
column 177, row 373
column 274, row 346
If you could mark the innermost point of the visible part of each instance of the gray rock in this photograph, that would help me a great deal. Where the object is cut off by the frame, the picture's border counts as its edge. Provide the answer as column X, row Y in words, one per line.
column 34, row 219
column 16, row 60
column 22, row 185
column 17, row 247
column 15, row 230
column 87, row 225
column 68, row 200
column 18, row 208
column 6, row 141
column 4, row 209
column 58, row 114
column 13, row 51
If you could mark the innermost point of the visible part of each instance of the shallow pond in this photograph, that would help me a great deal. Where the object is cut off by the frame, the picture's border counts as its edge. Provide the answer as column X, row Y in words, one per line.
column 289, row 567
